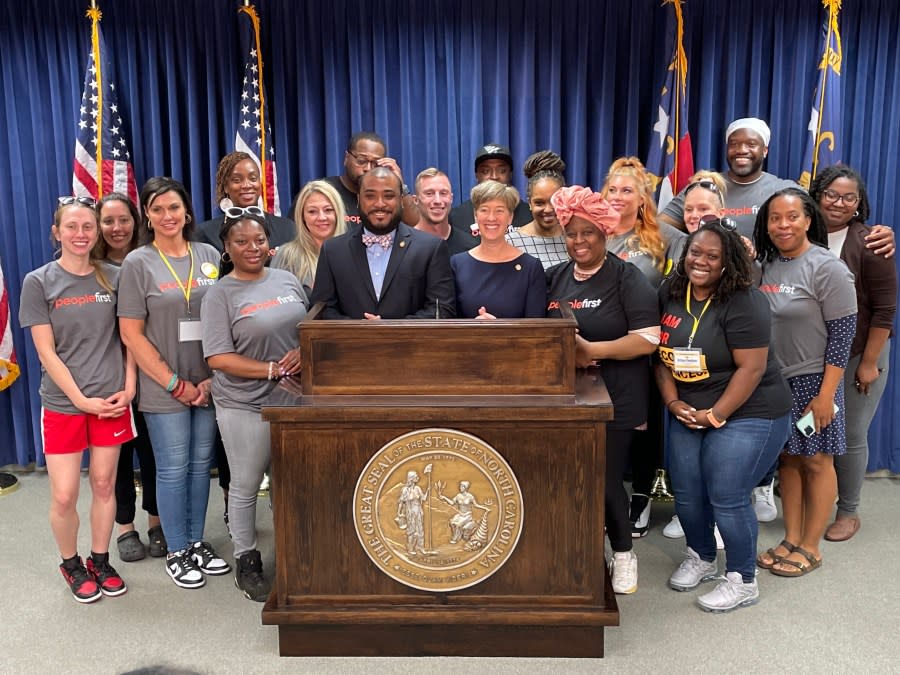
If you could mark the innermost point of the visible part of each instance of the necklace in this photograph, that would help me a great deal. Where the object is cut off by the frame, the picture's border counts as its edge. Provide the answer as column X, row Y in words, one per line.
column 582, row 274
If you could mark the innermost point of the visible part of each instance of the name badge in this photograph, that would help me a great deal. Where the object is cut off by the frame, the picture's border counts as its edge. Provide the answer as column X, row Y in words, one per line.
column 189, row 330
column 687, row 359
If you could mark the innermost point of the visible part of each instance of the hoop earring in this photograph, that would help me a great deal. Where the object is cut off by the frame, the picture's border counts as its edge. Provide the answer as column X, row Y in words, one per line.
column 225, row 257
column 856, row 214
column 187, row 218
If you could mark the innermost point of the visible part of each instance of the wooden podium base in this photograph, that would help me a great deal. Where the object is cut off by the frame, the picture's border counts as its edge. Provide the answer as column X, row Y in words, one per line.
column 552, row 596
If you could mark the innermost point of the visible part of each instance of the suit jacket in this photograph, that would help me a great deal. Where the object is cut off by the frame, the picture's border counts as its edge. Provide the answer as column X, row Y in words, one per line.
column 876, row 286
column 418, row 278
column 281, row 230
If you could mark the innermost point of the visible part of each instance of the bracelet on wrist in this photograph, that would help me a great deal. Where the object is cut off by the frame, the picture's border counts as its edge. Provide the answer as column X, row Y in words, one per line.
column 179, row 389
column 674, row 400
column 271, row 370
column 715, row 421
column 172, row 383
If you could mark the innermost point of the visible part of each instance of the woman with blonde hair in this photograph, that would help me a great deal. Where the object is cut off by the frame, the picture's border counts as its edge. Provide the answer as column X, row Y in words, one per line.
column 319, row 215
column 653, row 247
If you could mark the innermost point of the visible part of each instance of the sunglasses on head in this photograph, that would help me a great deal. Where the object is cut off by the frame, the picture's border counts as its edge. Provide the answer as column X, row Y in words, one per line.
column 705, row 184
column 235, row 212
column 725, row 223
column 68, row 200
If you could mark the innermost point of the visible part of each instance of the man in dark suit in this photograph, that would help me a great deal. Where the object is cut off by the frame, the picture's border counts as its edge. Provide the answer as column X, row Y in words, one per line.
column 237, row 182
column 382, row 268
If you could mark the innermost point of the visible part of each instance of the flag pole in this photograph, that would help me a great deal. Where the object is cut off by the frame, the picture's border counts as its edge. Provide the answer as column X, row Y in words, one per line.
column 94, row 15
column 833, row 7
column 250, row 11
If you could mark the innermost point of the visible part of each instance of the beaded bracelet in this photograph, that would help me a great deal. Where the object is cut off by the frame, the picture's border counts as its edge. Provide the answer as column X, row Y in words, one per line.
column 174, row 381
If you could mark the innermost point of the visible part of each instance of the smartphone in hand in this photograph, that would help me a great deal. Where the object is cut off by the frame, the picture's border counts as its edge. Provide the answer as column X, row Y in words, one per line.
column 806, row 425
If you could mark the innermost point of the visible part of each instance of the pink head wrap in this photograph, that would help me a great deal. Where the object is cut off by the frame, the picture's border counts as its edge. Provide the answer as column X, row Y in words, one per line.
column 583, row 202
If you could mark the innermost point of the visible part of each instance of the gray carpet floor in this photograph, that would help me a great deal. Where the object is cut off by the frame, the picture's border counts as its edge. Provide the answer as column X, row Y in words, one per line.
column 843, row 618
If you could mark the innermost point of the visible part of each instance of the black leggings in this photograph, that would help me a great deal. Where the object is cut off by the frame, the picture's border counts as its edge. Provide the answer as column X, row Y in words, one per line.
column 125, row 492
column 618, row 526
column 647, row 446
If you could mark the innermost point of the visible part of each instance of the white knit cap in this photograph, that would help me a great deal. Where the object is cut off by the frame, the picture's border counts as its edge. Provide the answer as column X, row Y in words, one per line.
column 754, row 124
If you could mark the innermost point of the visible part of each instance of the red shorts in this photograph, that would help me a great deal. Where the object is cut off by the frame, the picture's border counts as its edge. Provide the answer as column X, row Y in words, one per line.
column 63, row 433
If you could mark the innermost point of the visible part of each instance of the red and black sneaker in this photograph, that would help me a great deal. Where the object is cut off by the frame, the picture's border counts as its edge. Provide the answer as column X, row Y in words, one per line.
column 107, row 578
column 83, row 587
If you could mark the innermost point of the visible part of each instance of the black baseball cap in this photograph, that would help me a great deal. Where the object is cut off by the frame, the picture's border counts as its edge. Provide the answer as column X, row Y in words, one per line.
column 493, row 151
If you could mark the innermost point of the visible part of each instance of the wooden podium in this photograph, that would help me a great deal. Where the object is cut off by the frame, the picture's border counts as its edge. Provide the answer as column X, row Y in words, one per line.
column 510, row 383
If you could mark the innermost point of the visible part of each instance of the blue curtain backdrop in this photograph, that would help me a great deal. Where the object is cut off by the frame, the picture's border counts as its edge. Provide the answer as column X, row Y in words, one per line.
column 437, row 79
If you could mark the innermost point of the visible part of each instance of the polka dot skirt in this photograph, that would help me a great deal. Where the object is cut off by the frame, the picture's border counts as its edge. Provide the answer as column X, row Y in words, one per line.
column 832, row 440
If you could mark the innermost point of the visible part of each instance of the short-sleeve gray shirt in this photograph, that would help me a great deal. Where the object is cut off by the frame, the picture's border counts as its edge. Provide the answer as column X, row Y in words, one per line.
column 742, row 200
column 82, row 314
column 148, row 291
column 256, row 319
column 627, row 247
column 805, row 292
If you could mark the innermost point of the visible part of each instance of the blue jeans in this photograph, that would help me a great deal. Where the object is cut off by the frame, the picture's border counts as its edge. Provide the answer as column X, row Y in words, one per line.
column 183, row 449
column 713, row 473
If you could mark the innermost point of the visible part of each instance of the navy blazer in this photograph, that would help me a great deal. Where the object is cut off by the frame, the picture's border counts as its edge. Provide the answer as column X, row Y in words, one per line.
column 281, row 231
column 418, row 281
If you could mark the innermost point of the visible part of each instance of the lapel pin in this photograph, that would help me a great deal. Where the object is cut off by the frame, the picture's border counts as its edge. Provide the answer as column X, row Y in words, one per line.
column 518, row 268
column 402, row 244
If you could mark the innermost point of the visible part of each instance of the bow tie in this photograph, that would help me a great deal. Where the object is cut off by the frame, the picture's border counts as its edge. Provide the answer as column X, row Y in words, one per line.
column 384, row 240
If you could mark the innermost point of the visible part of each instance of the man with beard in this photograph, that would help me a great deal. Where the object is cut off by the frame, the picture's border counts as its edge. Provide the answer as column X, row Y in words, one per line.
column 747, row 186
column 365, row 151
column 434, row 195
column 492, row 162
column 382, row 268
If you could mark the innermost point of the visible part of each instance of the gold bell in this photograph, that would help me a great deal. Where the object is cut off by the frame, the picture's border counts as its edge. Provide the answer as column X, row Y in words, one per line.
column 660, row 490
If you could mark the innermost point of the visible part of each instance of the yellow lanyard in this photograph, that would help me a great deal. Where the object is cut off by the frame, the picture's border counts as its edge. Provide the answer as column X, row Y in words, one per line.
column 687, row 306
column 186, row 290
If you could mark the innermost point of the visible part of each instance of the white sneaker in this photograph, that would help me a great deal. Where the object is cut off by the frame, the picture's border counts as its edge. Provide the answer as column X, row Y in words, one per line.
column 720, row 545
column 692, row 571
column 624, row 572
column 731, row 593
column 673, row 529
column 181, row 567
column 207, row 560
column 764, row 503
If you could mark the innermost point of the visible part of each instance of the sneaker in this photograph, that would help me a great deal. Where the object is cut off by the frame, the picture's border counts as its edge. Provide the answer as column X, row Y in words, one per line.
column 184, row 572
column 764, row 503
column 720, row 544
column 639, row 515
column 131, row 549
column 84, row 588
column 673, row 529
column 208, row 560
column 623, row 569
column 249, row 578
column 107, row 578
column 730, row 594
column 692, row 572
column 158, row 546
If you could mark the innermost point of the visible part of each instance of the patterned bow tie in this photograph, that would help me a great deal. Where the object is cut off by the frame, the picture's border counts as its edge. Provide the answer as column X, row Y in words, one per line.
column 384, row 240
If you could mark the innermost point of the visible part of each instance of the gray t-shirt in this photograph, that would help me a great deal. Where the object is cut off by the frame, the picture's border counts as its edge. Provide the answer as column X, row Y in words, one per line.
column 82, row 315
column 742, row 200
column 805, row 292
column 149, row 291
column 627, row 247
column 256, row 319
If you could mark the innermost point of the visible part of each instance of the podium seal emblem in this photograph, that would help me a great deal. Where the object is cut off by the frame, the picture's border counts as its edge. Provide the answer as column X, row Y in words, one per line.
column 438, row 510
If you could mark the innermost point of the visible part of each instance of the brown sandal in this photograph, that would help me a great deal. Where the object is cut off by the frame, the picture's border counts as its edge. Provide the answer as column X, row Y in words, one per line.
column 774, row 556
column 800, row 569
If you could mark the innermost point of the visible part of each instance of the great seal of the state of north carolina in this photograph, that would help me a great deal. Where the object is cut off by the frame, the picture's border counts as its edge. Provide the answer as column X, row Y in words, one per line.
column 438, row 510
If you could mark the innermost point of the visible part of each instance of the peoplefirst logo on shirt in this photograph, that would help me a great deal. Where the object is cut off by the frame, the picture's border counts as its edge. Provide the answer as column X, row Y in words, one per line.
column 269, row 304
column 81, row 300
column 577, row 304
column 778, row 288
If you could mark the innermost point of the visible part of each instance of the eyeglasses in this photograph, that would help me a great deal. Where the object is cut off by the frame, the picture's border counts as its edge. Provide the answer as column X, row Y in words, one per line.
column 850, row 199
column 89, row 202
column 725, row 223
column 362, row 162
column 235, row 212
column 705, row 184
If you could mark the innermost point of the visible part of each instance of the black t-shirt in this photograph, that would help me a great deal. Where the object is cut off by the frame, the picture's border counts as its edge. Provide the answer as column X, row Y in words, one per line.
column 350, row 199
column 744, row 322
column 614, row 301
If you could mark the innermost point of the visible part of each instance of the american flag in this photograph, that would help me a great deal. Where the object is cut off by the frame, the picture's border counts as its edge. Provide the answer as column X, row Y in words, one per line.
column 254, row 132
column 102, row 159
column 823, row 146
column 671, row 159
column 9, row 369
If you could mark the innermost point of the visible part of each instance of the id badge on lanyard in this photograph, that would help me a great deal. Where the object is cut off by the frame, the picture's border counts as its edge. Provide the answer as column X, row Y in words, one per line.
column 687, row 359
